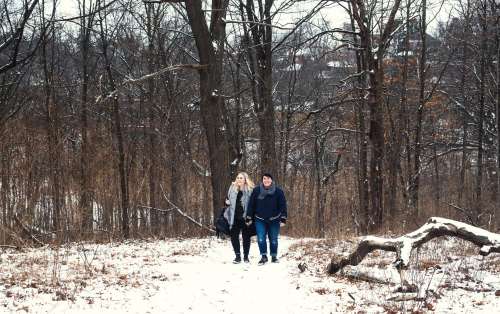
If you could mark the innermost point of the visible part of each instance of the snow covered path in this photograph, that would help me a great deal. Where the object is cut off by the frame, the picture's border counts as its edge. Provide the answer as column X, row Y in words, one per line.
column 173, row 276
column 215, row 285
column 193, row 276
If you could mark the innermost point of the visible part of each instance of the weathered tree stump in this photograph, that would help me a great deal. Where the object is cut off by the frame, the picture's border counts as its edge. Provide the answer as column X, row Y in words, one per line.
column 489, row 242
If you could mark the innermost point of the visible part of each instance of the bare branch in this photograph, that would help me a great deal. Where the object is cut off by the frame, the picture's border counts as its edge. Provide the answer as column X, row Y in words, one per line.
column 113, row 93
column 183, row 214
column 257, row 23
column 79, row 17
column 27, row 231
column 157, row 209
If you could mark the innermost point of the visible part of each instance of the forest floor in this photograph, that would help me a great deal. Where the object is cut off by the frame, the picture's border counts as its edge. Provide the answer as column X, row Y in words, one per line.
column 198, row 276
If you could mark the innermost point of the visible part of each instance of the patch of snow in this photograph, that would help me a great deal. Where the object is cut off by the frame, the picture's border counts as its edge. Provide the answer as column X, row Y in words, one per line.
column 338, row 64
column 235, row 162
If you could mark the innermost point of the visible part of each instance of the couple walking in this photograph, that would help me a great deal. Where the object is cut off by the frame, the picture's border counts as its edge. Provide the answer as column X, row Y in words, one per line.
column 265, row 206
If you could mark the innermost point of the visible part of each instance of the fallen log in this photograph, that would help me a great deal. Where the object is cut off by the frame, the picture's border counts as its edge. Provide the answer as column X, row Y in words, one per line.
column 488, row 242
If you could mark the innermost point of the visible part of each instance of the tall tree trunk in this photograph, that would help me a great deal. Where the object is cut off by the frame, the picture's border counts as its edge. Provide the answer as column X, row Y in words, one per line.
column 153, row 173
column 480, row 134
column 175, row 166
column 463, row 166
column 121, row 166
column 5, row 183
column 415, row 186
column 463, row 99
column 497, row 117
column 361, row 141
column 266, row 114
column 118, row 135
column 436, row 179
column 259, row 46
column 151, row 29
column 318, row 171
column 374, row 76
column 363, row 192
column 285, row 128
column 233, row 121
column 403, row 119
column 377, row 143
column 53, row 135
column 86, row 24
column 211, row 103
column 398, row 128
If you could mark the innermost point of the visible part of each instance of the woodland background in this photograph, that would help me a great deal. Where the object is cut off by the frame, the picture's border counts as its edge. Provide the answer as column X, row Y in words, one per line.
column 112, row 117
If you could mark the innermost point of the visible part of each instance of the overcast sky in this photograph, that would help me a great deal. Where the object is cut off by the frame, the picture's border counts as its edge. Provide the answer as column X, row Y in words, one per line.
column 335, row 14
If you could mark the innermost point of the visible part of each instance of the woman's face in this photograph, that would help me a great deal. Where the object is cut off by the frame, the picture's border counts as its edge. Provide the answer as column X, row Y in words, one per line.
column 267, row 181
column 240, row 180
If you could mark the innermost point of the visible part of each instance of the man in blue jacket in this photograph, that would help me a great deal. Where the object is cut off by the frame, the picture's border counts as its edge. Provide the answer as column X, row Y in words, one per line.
column 267, row 206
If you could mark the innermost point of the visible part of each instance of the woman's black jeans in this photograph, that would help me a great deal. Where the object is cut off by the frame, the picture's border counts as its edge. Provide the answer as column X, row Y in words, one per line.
column 239, row 226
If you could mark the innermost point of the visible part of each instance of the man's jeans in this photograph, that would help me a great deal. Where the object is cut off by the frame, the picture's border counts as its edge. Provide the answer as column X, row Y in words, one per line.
column 270, row 229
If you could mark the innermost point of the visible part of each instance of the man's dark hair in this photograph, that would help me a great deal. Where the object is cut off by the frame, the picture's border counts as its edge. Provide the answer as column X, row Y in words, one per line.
column 267, row 174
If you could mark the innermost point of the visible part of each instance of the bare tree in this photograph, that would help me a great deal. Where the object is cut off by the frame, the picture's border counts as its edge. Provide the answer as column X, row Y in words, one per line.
column 495, row 12
column 87, row 18
column 422, row 71
column 374, row 72
column 20, row 37
column 210, row 41
column 258, row 36
column 482, row 15
column 105, row 33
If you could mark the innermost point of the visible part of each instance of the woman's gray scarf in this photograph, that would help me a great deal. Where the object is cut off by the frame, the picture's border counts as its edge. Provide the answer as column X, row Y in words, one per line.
column 264, row 192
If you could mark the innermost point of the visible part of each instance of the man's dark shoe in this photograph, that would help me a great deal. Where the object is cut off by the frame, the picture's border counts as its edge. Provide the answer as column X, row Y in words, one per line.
column 245, row 259
column 274, row 259
column 263, row 260
column 237, row 259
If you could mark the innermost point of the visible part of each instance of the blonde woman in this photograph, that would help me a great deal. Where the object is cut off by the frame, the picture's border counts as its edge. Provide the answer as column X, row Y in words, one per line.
column 237, row 201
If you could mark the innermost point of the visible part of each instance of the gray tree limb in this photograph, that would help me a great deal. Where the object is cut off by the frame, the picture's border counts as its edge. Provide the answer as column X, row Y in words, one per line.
column 488, row 242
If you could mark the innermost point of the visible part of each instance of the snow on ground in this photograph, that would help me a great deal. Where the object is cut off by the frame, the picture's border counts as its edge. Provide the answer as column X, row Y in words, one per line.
column 197, row 276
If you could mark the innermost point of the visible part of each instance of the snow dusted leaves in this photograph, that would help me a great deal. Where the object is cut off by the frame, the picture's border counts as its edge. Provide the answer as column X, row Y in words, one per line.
column 89, row 276
column 445, row 275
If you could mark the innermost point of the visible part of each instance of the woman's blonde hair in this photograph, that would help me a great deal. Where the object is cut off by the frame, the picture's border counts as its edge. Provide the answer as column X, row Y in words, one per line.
column 249, row 185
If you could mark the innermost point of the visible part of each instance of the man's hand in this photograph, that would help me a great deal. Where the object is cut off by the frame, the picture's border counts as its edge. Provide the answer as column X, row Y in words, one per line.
column 282, row 221
column 248, row 221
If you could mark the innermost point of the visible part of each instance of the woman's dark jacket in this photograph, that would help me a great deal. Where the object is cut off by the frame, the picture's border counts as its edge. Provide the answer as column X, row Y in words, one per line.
column 272, row 207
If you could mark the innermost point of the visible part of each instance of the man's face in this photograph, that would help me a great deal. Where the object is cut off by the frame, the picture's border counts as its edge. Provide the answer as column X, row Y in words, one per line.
column 267, row 181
